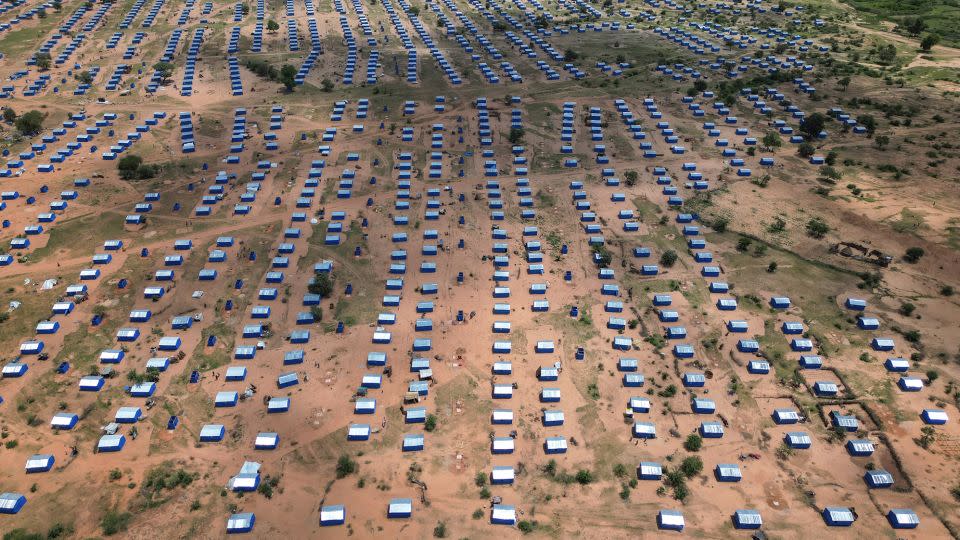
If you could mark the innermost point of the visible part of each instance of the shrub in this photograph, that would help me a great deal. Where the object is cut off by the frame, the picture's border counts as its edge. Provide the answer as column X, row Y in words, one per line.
column 59, row 530
column 440, row 531
column 345, row 466
column 431, row 423
column 322, row 284
column 669, row 258
column 114, row 522
column 584, row 477
column 691, row 466
column 720, row 224
column 817, row 228
column 21, row 534
column 693, row 443
column 913, row 254
column 526, row 527
column 772, row 140
column 681, row 492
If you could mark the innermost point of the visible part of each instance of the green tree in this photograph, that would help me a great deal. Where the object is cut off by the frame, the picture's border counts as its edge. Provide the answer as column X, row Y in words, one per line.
column 914, row 26
column 669, row 258
column 881, row 141
column 43, row 60
column 812, row 125
column 164, row 70
column 772, row 140
column 886, row 55
column 913, row 254
column 128, row 166
column 868, row 122
column 693, row 443
column 326, row 85
column 30, row 123
column 570, row 55
column 929, row 41
column 806, row 150
column 288, row 76
column 272, row 26
column 631, row 177
column 516, row 135
column 9, row 115
column 322, row 284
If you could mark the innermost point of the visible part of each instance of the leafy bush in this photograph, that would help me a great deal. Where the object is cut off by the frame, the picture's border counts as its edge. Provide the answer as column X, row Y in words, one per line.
column 584, row 477
column 817, row 228
column 693, row 443
column 345, row 466
column 914, row 254
column 691, row 466
column 669, row 258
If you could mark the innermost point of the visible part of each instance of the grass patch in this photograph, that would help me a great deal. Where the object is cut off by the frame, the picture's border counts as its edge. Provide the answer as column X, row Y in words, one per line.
column 909, row 222
column 82, row 235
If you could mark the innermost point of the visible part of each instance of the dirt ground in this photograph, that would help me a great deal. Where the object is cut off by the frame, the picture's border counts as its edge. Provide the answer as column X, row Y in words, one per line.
column 167, row 483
